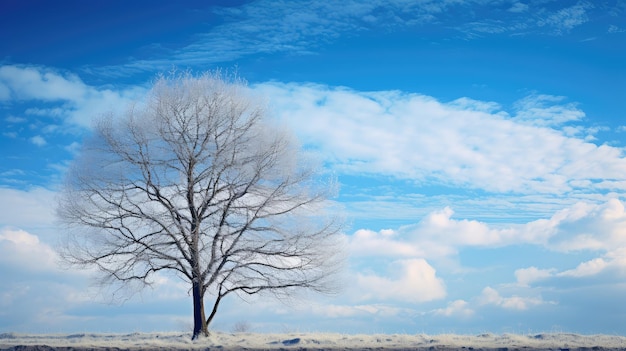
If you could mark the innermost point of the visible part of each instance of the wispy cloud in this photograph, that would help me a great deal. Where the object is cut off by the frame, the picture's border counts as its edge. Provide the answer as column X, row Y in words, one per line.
column 15, row 119
column 518, row 7
column 567, row 18
column 38, row 140
column 533, row 17
column 546, row 110
column 302, row 27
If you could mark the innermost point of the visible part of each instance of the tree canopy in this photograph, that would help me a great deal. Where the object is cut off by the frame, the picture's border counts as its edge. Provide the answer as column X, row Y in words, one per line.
column 197, row 181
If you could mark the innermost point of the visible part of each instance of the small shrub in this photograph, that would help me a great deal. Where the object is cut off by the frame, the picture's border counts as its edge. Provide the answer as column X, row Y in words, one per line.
column 242, row 327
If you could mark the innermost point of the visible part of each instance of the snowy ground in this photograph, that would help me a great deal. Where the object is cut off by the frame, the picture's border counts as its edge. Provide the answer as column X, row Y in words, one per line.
column 313, row 341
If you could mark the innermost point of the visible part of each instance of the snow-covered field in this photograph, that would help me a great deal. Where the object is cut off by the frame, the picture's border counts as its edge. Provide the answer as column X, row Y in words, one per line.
column 313, row 341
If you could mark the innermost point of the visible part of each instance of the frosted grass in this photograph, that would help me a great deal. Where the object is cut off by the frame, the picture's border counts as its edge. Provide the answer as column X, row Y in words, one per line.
column 315, row 341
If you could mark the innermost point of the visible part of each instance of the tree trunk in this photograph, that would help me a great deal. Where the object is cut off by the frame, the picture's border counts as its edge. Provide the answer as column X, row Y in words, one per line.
column 200, row 327
column 214, row 310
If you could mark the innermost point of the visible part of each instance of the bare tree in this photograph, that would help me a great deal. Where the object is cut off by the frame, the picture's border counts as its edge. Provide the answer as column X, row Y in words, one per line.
column 197, row 182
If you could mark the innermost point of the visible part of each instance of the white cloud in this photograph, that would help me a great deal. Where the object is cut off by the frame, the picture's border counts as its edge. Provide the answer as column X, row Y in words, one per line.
column 518, row 7
column 465, row 103
column 456, row 308
column 412, row 280
column 38, row 140
column 463, row 143
column 15, row 119
column 614, row 260
column 73, row 148
column 615, row 29
column 30, row 209
column 36, row 83
column 76, row 101
column 365, row 242
column 23, row 250
column 584, row 227
column 526, row 17
column 48, row 112
column 296, row 27
column 587, row 268
column 606, row 271
column 352, row 311
column 525, row 276
column 440, row 226
column 587, row 226
column 438, row 235
column 546, row 110
column 301, row 27
column 568, row 18
column 338, row 311
column 490, row 296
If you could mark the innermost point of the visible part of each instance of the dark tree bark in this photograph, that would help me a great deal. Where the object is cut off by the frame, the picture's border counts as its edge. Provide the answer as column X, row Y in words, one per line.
column 200, row 324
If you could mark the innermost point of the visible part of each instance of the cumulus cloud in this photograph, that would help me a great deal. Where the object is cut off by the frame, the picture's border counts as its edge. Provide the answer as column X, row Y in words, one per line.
column 456, row 308
column 412, row 280
column 526, row 276
column 440, row 226
column 585, row 227
column 438, row 235
column 614, row 260
column 582, row 226
column 588, row 226
column 491, row 296
column 23, row 250
column 463, row 143
column 366, row 242
column 591, row 267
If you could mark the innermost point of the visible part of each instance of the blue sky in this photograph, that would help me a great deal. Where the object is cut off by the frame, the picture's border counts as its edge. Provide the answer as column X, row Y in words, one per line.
column 480, row 146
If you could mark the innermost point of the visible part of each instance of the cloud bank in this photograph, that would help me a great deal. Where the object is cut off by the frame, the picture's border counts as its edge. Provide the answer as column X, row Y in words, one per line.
column 462, row 143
